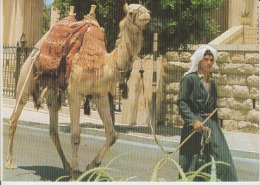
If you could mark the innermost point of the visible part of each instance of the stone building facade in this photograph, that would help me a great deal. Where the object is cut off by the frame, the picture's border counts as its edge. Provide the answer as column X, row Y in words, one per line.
column 237, row 77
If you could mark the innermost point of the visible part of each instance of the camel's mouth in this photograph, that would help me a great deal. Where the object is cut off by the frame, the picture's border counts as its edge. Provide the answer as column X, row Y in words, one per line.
column 143, row 19
column 139, row 15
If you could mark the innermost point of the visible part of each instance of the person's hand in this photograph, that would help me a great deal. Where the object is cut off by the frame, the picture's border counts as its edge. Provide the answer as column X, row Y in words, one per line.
column 198, row 126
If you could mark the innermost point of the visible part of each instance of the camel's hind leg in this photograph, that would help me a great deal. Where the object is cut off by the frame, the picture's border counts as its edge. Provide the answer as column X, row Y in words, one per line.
column 54, row 104
column 12, row 128
column 111, row 135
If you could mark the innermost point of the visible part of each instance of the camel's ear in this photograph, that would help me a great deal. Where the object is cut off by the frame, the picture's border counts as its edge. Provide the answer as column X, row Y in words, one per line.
column 126, row 8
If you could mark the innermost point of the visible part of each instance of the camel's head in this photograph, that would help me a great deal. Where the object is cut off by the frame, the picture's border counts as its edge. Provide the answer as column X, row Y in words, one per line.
column 137, row 14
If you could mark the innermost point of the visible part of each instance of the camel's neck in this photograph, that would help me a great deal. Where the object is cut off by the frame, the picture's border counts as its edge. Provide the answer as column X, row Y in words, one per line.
column 128, row 45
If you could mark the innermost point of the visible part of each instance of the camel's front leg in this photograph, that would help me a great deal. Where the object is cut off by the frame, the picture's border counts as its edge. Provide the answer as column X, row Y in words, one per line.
column 74, row 105
column 53, row 104
column 111, row 135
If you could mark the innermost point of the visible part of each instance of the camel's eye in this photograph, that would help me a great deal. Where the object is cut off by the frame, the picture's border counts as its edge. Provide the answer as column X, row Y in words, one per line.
column 130, row 13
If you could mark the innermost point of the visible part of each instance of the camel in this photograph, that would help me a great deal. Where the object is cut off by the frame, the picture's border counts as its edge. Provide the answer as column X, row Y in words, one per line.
column 117, row 64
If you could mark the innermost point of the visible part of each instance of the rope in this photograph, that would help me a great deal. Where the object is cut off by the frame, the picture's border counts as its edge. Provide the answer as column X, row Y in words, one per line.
column 205, row 139
column 186, row 139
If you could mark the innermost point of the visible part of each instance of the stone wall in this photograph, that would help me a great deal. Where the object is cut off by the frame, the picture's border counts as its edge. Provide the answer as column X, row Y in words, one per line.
column 237, row 77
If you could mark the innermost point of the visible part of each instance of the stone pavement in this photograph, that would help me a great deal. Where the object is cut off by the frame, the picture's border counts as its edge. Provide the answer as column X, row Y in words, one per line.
column 241, row 144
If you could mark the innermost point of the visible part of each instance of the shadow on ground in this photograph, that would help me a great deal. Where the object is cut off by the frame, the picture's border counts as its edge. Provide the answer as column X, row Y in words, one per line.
column 50, row 173
column 46, row 173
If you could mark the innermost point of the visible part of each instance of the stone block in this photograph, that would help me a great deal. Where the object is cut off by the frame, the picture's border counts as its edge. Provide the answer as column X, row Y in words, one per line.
column 230, row 125
column 237, row 58
column 171, row 98
column 172, row 88
column 233, row 104
column 224, row 113
column 173, row 67
column 253, row 116
column 169, row 109
column 185, row 57
column 240, row 92
column 234, row 79
column 241, row 124
column 175, row 109
column 247, row 105
column 239, row 69
column 256, row 69
column 172, row 109
column 215, row 68
column 220, row 79
column 253, row 81
column 254, row 93
column 252, row 58
column 173, row 77
column 172, row 56
column 177, row 120
column 238, row 115
column 247, row 69
column 223, row 57
column 225, row 91
column 222, row 102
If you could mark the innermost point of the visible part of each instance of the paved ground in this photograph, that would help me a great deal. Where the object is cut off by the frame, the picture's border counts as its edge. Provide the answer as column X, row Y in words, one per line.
column 241, row 144
column 37, row 158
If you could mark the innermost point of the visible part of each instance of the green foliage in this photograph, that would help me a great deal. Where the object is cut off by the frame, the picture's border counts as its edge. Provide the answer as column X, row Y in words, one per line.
column 244, row 14
column 190, row 176
column 178, row 22
column 103, row 173
column 46, row 18
column 63, row 6
column 154, row 176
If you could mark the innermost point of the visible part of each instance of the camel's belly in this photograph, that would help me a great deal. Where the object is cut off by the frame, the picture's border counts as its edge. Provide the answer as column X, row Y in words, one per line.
column 87, row 86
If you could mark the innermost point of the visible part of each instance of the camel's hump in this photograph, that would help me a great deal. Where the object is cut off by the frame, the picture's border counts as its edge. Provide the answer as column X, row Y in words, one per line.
column 66, row 39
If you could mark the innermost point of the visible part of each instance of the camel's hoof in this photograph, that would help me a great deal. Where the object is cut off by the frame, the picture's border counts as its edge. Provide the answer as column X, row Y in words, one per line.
column 10, row 165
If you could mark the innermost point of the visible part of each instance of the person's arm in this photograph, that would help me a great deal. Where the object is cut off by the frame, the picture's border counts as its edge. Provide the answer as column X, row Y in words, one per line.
column 186, row 87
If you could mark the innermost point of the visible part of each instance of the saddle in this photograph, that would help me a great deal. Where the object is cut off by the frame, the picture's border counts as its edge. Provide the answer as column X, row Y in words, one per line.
column 70, row 41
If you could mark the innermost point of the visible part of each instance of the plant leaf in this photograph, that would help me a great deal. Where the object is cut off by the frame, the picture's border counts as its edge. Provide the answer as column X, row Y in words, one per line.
column 155, row 170
column 62, row 177
column 213, row 175
column 182, row 174
column 205, row 166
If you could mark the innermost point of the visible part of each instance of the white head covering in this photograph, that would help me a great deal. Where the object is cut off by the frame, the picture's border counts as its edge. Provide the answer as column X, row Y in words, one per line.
column 198, row 56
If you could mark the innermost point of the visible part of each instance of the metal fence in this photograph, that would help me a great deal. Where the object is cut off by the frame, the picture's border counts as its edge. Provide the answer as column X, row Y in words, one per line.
column 9, row 65
column 13, row 59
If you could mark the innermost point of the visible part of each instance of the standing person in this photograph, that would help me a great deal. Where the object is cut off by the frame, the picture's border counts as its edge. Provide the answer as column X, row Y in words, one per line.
column 197, row 99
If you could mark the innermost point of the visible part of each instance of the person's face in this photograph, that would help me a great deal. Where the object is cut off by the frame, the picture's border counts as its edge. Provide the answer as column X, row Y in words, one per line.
column 206, row 63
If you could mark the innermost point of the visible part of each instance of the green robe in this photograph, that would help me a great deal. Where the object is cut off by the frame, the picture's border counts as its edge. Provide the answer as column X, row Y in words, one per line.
column 194, row 100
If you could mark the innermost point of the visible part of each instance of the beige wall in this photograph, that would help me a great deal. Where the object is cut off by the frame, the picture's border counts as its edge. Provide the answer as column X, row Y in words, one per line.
column 22, row 16
column 237, row 6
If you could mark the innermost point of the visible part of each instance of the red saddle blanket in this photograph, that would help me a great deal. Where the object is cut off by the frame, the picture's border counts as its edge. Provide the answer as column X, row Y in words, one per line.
column 80, row 43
